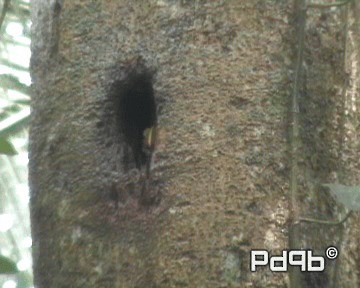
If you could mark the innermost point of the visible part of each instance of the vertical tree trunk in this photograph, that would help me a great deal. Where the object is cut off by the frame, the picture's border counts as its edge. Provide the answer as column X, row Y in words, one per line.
column 219, row 178
column 326, row 138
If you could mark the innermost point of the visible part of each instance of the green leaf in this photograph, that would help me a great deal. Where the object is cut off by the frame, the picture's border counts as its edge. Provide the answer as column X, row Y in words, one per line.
column 11, row 82
column 6, row 147
column 349, row 196
column 24, row 280
column 22, row 102
column 15, row 122
column 7, row 266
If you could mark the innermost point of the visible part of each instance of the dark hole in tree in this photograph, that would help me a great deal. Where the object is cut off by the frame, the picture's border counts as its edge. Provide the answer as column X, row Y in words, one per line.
column 136, row 112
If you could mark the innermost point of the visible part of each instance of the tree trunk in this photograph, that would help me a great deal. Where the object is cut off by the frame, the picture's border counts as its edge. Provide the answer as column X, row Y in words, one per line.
column 218, row 181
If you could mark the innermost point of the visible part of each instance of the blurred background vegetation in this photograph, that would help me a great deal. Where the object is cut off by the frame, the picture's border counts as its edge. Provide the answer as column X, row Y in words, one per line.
column 15, row 239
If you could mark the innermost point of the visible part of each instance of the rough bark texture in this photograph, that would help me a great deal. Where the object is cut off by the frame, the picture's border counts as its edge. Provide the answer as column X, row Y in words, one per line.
column 220, row 175
column 329, row 153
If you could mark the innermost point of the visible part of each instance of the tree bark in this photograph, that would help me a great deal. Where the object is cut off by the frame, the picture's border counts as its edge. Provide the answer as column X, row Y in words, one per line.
column 219, row 177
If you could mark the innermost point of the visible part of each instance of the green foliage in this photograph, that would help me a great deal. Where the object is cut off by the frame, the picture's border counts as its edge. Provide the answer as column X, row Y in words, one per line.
column 11, row 82
column 24, row 280
column 6, row 147
column 349, row 196
column 14, row 118
column 7, row 266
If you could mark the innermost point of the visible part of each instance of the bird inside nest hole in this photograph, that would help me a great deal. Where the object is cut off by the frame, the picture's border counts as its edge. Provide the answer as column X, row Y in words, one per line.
column 137, row 116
